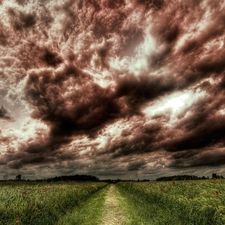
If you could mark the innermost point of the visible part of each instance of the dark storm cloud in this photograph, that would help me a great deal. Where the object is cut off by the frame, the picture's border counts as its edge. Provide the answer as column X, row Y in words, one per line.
column 106, row 16
column 213, row 30
column 145, row 138
column 202, row 125
column 4, row 33
column 4, row 140
column 21, row 20
column 35, row 56
column 138, row 90
column 68, row 113
column 88, row 109
column 149, row 4
column 167, row 33
column 102, row 17
column 199, row 127
column 51, row 58
column 211, row 64
column 63, row 48
column 5, row 114
column 35, row 154
column 202, row 128
column 113, row 4
column 206, row 133
column 134, row 166
column 71, row 110
column 16, row 164
column 22, row 2
column 195, row 159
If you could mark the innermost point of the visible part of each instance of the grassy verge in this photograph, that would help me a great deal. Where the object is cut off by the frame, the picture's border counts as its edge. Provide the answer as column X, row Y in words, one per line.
column 186, row 203
column 42, row 203
column 140, row 211
column 89, row 212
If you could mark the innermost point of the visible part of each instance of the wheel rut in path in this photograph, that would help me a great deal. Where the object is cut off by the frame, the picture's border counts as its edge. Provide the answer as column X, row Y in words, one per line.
column 112, row 212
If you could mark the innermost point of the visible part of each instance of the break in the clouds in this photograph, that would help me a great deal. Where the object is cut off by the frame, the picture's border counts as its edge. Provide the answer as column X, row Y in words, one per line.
column 118, row 89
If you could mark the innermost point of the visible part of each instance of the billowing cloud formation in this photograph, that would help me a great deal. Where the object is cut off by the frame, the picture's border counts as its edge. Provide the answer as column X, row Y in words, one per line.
column 5, row 114
column 112, row 87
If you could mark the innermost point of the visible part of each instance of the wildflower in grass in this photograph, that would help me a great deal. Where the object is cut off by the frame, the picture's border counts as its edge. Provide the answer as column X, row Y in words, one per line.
column 217, row 193
column 191, row 196
column 214, row 178
column 24, row 192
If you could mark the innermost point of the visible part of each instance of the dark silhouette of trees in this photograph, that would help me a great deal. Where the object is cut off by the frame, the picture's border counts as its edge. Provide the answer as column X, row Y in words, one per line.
column 74, row 178
column 18, row 177
column 215, row 176
column 188, row 177
column 179, row 177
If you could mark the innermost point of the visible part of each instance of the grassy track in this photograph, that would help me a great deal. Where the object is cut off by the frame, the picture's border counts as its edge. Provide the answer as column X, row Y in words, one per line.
column 113, row 211
column 105, row 207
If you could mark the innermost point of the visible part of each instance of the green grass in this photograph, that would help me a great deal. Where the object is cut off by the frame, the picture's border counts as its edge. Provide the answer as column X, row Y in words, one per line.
column 89, row 212
column 133, row 203
column 42, row 203
column 181, row 202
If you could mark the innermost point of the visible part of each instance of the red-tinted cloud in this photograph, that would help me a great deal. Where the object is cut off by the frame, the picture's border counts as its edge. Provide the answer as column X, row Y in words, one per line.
column 79, row 68
column 5, row 114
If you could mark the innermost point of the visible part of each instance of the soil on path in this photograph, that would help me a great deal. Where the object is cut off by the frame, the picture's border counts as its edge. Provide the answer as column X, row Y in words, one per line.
column 113, row 214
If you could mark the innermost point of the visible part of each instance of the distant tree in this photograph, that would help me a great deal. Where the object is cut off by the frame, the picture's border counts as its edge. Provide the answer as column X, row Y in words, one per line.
column 76, row 178
column 18, row 177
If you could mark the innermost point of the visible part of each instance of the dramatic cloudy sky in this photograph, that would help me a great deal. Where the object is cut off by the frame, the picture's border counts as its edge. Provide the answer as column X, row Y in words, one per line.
column 113, row 88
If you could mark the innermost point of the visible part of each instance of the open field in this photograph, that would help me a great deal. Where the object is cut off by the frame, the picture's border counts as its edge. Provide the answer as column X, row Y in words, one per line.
column 96, row 203
column 175, row 202
column 42, row 203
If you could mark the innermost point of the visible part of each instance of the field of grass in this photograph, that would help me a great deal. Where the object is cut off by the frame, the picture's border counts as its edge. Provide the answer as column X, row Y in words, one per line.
column 89, row 213
column 42, row 203
column 131, row 203
column 175, row 202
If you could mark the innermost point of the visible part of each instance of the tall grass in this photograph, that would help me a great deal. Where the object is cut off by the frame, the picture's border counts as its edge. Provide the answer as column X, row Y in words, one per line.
column 41, row 203
column 181, row 202
column 152, row 203
column 89, row 213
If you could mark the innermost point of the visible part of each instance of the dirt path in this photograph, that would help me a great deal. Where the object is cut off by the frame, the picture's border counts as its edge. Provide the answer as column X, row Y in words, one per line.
column 113, row 214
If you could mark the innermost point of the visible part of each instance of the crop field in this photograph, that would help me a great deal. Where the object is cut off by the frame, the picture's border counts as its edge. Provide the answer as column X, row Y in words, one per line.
column 42, row 203
column 96, row 203
column 176, row 202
